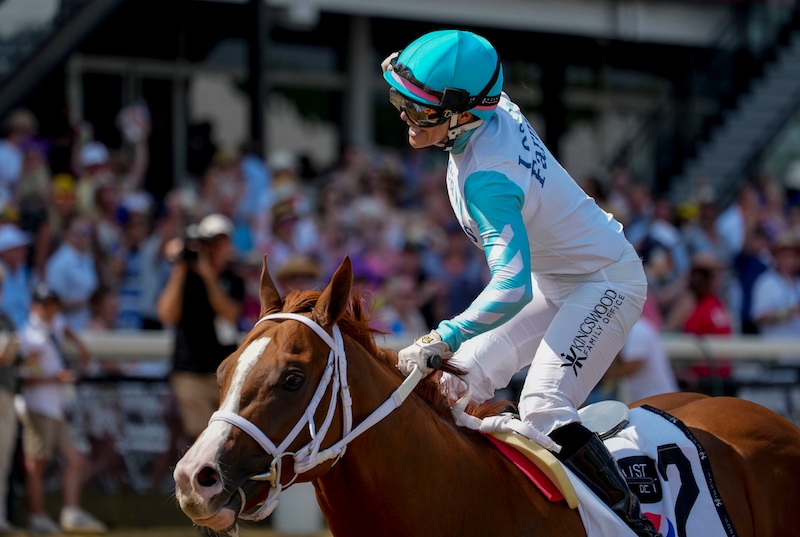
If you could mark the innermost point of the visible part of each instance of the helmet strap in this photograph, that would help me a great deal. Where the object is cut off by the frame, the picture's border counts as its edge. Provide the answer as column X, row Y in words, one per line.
column 457, row 130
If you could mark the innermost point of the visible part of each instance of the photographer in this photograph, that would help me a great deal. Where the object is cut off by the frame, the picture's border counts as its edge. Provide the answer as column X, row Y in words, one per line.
column 202, row 300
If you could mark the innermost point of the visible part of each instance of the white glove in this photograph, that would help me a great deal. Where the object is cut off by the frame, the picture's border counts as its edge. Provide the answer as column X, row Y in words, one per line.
column 418, row 353
column 386, row 64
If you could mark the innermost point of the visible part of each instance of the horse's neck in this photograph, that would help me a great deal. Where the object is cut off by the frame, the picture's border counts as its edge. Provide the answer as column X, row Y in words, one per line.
column 416, row 474
column 387, row 471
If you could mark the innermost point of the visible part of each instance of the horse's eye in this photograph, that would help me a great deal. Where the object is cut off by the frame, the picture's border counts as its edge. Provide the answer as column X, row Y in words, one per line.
column 293, row 381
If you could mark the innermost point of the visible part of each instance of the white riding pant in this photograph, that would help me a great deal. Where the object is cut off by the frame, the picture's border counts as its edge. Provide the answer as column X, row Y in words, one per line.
column 569, row 334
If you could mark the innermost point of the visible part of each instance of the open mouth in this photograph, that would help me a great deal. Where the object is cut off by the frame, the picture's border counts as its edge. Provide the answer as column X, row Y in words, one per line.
column 251, row 492
column 223, row 522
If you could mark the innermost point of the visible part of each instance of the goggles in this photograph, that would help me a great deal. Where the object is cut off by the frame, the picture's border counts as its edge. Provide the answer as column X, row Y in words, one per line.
column 421, row 115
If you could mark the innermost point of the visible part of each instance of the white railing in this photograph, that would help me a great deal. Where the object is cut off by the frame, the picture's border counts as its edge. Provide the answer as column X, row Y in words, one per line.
column 157, row 346
column 134, row 402
column 739, row 348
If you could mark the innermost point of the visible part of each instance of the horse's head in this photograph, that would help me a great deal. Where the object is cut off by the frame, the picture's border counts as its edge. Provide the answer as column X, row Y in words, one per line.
column 279, row 398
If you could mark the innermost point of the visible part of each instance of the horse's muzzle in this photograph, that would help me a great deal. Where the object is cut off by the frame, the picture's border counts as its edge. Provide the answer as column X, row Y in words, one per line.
column 210, row 513
column 200, row 490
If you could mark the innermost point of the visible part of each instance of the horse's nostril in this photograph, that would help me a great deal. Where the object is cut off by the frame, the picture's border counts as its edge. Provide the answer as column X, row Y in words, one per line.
column 207, row 477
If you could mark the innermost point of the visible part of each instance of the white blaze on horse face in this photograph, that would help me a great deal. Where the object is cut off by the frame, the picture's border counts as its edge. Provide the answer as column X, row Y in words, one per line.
column 247, row 360
column 207, row 447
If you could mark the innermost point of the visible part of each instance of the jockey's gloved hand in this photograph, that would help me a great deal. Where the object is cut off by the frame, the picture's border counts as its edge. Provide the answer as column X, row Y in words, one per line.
column 386, row 64
column 423, row 348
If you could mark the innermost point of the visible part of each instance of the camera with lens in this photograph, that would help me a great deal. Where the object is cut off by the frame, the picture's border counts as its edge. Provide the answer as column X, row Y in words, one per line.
column 192, row 243
column 189, row 254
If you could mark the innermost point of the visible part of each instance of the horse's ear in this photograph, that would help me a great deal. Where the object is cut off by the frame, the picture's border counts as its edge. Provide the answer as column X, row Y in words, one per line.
column 333, row 300
column 270, row 298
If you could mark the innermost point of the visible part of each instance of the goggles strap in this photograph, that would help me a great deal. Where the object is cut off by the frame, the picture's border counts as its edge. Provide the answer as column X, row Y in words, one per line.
column 451, row 133
column 479, row 99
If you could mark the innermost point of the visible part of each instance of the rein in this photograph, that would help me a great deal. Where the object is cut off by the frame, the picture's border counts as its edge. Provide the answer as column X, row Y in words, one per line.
column 310, row 456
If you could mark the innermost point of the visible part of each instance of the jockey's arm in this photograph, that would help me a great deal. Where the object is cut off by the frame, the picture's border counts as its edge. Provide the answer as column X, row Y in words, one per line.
column 495, row 203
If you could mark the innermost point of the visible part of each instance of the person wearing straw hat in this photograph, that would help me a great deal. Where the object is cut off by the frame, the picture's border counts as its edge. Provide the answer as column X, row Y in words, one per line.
column 298, row 273
column 18, row 127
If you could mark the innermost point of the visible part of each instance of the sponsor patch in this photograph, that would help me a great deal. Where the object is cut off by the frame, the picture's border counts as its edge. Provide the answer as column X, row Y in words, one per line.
column 590, row 329
column 642, row 477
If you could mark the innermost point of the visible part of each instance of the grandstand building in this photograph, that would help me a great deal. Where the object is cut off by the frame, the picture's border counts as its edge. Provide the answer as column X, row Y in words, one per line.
column 672, row 89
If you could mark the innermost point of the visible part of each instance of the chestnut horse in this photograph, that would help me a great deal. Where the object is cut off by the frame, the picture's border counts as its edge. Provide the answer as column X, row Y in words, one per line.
column 309, row 396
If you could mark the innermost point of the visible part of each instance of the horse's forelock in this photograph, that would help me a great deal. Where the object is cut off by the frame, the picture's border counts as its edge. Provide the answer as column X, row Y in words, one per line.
column 300, row 301
column 354, row 322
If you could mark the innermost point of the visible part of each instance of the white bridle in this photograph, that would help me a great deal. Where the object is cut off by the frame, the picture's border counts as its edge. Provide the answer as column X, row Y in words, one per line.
column 310, row 456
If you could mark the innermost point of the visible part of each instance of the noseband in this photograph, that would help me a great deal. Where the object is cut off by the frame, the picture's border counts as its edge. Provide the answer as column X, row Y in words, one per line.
column 310, row 456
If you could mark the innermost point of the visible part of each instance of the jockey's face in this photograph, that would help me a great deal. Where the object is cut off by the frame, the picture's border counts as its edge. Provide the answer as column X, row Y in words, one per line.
column 419, row 137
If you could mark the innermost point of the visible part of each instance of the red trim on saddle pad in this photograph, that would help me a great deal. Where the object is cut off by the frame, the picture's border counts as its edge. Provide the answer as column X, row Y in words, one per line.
column 538, row 477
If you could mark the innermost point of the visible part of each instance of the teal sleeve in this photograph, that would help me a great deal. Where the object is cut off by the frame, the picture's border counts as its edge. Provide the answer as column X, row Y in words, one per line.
column 495, row 203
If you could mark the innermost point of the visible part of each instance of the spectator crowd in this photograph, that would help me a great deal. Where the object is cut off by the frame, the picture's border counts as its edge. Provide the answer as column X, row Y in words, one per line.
column 98, row 239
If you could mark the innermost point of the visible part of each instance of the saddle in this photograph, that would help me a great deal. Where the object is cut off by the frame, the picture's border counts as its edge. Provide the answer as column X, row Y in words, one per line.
column 659, row 456
column 606, row 418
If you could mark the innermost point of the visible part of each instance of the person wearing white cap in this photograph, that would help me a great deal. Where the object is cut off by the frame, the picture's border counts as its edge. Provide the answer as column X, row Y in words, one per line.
column 776, row 291
column 94, row 165
column 42, row 406
column 94, row 172
column 566, row 286
column 202, row 300
column 16, row 299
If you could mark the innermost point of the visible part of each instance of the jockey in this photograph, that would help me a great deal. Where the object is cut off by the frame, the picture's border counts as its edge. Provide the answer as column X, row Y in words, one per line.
column 566, row 286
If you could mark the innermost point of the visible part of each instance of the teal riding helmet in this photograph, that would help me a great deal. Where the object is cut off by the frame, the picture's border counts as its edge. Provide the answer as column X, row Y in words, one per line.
column 454, row 59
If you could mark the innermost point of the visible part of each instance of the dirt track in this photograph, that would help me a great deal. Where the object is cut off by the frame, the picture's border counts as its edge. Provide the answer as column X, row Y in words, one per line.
column 191, row 532
column 174, row 531
column 149, row 515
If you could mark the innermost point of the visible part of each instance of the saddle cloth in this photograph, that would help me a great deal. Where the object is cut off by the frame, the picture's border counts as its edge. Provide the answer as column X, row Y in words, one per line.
column 669, row 471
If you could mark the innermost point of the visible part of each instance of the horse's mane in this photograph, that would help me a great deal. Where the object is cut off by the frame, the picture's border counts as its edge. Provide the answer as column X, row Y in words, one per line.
column 355, row 324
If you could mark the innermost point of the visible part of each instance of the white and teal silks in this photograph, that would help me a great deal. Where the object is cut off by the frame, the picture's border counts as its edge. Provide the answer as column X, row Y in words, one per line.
column 555, row 259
